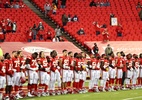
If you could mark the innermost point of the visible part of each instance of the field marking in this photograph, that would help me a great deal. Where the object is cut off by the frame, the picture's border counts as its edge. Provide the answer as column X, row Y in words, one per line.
column 132, row 98
column 87, row 95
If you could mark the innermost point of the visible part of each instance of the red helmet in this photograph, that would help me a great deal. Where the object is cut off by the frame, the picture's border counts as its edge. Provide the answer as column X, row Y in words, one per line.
column 22, row 80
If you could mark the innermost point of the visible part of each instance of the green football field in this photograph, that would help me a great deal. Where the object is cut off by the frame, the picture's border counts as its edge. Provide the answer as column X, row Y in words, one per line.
column 118, row 95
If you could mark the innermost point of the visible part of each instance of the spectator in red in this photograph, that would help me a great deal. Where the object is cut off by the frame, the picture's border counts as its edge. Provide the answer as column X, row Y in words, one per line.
column 119, row 30
column 1, row 4
column 105, row 34
column 48, row 35
column 1, row 35
column 40, row 30
column 9, row 26
column 97, row 28
column 3, row 25
column 30, row 34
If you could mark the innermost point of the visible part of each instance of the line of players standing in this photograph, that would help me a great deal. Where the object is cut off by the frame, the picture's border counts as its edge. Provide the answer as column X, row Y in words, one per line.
column 43, row 71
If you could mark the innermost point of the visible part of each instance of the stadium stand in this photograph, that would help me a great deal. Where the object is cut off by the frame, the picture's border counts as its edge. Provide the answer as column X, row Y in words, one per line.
column 125, row 11
column 24, row 18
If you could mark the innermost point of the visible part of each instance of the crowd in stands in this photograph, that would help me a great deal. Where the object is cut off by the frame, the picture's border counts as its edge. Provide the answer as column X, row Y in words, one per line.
column 7, row 26
column 38, row 32
column 12, row 4
column 99, row 3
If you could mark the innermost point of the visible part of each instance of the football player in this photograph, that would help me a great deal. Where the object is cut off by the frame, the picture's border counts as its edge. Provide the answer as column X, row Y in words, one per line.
column 17, row 73
column 9, row 74
column 32, row 67
column 104, row 64
column 64, row 64
column 44, row 71
column 55, row 71
column 112, row 71
column 83, row 74
column 140, row 71
column 119, row 65
column 71, row 64
column 135, row 70
column 2, row 77
column 77, row 71
column 95, row 72
column 129, row 65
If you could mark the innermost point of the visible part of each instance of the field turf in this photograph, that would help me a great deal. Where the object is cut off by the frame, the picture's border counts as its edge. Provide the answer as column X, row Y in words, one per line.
column 118, row 95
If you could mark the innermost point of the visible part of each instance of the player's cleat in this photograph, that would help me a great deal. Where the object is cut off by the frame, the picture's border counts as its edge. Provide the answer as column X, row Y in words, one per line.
column 90, row 90
column 47, row 93
column 116, row 88
column 22, row 93
column 52, row 92
column 6, row 98
column 13, row 97
column 43, row 94
column 18, row 96
column 104, row 90
column 29, row 95
column 69, row 91
column 57, row 92
column 76, row 91
column 80, row 91
column 100, row 89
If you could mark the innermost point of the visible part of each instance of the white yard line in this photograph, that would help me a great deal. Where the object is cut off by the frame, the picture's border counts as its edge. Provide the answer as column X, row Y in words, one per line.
column 132, row 98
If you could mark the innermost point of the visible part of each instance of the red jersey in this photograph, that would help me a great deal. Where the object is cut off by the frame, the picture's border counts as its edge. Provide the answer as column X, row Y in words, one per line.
column 9, row 67
column 32, row 64
column 44, row 64
column 22, row 64
column 78, row 64
column 119, row 29
column 54, row 64
column 106, row 65
column 137, row 63
column 2, row 69
column 119, row 63
column 16, row 64
column 30, row 34
column 97, row 27
column 113, row 63
column 3, row 25
column 140, row 61
column 9, row 26
column 130, row 63
column 65, row 62
column 95, row 64
column 71, row 63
